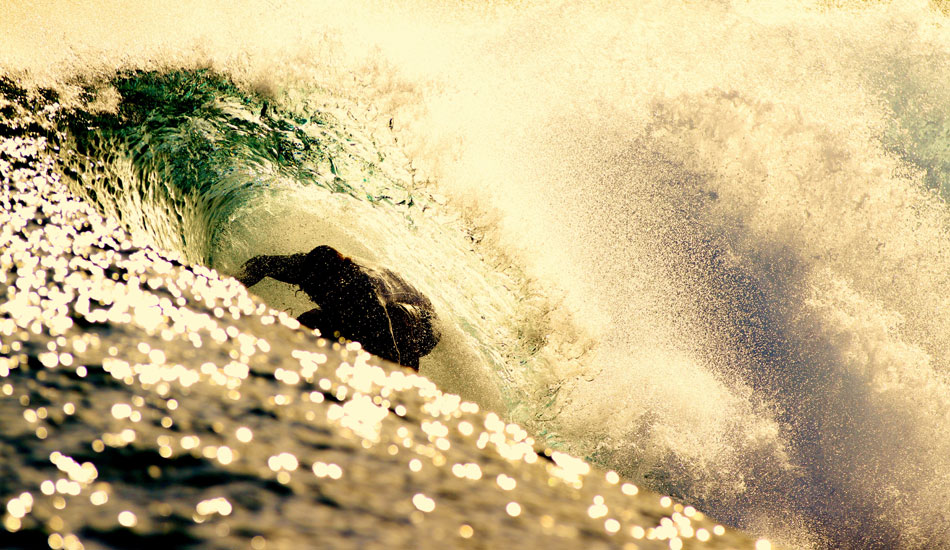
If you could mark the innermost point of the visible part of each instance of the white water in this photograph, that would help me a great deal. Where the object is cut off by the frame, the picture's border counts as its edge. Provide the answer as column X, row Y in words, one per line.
column 731, row 195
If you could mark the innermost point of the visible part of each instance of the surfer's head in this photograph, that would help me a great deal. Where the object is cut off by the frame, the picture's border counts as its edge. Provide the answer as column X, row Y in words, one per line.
column 325, row 258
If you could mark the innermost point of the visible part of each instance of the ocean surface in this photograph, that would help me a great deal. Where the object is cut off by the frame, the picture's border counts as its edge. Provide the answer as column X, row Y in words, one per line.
column 704, row 245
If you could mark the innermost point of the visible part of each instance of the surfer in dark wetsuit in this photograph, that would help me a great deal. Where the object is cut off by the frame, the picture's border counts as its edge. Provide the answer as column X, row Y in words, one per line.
column 374, row 307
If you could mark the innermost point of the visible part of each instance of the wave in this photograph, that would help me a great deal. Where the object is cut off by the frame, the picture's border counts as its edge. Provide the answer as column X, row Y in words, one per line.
column 745, row 202
column 216, row 174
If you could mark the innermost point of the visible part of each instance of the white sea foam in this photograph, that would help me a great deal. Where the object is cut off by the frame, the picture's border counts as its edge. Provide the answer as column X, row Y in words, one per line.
column 732, row 195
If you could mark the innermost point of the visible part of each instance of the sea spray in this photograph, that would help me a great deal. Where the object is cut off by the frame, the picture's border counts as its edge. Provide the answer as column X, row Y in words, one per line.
column 717, row 176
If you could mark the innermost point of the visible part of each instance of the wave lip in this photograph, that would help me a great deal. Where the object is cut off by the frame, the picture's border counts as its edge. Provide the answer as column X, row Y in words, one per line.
column 183, row 150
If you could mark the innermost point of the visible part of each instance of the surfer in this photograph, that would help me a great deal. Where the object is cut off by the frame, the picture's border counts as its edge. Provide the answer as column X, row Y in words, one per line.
column 374, row 307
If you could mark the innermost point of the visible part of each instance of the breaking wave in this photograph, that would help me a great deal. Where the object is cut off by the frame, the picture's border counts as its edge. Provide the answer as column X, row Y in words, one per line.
column 703, row 244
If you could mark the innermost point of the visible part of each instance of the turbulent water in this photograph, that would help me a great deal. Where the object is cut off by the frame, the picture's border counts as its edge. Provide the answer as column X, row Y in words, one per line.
column 145, row 403
column 704, row 244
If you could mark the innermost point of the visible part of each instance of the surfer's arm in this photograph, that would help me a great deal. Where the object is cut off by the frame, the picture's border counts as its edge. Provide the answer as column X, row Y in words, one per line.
column 286, row 269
